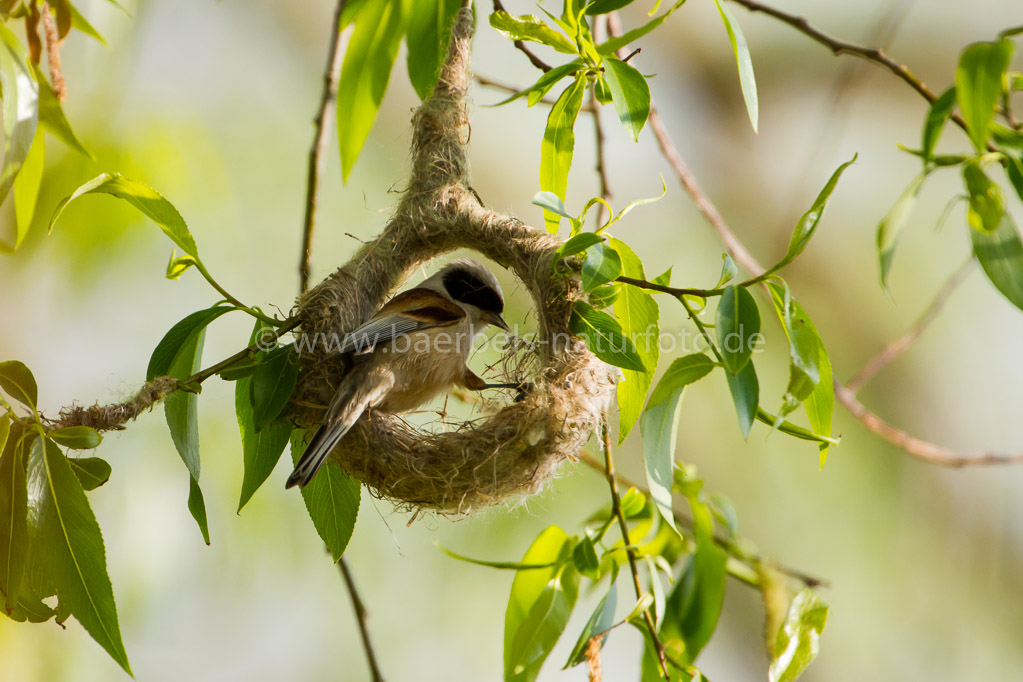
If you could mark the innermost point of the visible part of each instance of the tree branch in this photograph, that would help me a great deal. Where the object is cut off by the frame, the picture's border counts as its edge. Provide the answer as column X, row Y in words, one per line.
column 630, row 551
column 917, row 447
column 320, row 138
column 902, row 344
column 875, row 55
column 361, row 616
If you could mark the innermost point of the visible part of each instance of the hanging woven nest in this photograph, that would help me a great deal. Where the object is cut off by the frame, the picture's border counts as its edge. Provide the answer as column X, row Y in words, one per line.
column 513, row 451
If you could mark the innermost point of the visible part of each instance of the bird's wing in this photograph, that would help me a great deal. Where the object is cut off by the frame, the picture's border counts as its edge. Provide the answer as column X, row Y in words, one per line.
column 409, row 311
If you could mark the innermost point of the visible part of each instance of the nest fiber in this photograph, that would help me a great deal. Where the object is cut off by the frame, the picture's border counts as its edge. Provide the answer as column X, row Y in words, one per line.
column 517, row 448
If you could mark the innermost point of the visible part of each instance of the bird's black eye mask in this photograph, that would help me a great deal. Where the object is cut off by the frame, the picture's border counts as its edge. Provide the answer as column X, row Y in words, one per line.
column 465, row 287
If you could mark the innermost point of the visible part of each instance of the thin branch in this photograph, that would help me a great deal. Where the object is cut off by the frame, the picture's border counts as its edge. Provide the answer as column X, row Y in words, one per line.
column 875, row 55
column 630, row 551
column 361, row 616
column 533, row 59
column 601, row 167
column 687, row 522
column 674, row 291
column 321, row 135
column 902, row 344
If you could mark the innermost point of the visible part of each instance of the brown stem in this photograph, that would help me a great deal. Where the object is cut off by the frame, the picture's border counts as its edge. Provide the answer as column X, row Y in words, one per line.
column 630, row 551
column 674, row 291
column 902, row 344
column 361, row 616
column 533, row 59
column 321, row 136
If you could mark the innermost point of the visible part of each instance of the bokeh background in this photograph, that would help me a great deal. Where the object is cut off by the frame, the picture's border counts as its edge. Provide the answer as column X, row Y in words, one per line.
column 211, row 103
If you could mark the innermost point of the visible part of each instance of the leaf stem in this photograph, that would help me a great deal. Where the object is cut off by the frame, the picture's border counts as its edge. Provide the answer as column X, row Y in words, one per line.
column 630, row 551
column 231, row 299
column 674, row 291
column 361, row 616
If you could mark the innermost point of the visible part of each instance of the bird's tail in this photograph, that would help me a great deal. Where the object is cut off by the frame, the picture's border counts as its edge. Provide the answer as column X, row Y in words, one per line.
column 358, row 391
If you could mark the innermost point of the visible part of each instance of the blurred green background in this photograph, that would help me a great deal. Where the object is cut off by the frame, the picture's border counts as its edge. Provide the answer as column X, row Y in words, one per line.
column 211, row 103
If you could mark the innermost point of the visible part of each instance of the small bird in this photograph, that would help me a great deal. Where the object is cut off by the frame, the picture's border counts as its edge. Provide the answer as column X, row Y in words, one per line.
column 414, row 348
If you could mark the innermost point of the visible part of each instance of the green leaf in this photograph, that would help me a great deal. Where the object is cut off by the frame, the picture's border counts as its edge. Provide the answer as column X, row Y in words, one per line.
column 272, row 386
column 504, row 565
column 260, row 451
column 604, row 337
column 558, row 145
column 576, row 244
column 585, row 560
column 13, row 512
column 602, row 618
column 52, row 118
column 630, row 94
column 549, row 201
column 609, row 47
column 603, row 297
column 332, row 500
column 197, row 508
column 532, row 28
column 987, row 202
column 20, row 107
column 728, row 270
column 544, row 83
column 680, row 373
column 601, row 265
column 1014, row 170
column 177, row 337
column 92, row 472
column 372, row 49
column 745, row 390
column 659, row 427
column 77, row 437
column 737, row 326
column 17, row 381
column 979, row 85
column 73, row 544
column 142, row 197
column 1001, row 255
column 797, row 642
column 791, row 429
column 808, row 222
column 605, row 6
column 744, row 62
column 802, row 334
column 890, row 228
column 82, row 24
column 939, row 113
column 640, row 317
column 539, row 606
column 698, row 598
column 26, row 187
column 428, row 36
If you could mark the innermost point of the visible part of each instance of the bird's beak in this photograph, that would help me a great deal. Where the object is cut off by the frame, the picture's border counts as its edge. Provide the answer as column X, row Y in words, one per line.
column 496, row 320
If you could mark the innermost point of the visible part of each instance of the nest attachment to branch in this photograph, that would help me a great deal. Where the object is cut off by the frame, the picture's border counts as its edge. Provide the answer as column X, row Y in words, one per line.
column 518, row 448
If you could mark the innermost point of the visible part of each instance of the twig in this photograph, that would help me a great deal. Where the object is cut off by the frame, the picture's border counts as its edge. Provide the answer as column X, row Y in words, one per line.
column 320, row 137
column 533, row 59
column 902, row 344
column 630, row 551
column 500, row 85
column 929, row 452
column 674, row 291
column 361, row 615
column 838, row 47
column 687, row 522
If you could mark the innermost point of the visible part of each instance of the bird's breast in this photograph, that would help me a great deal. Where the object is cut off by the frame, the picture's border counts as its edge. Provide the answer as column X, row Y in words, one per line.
column 425, row 364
